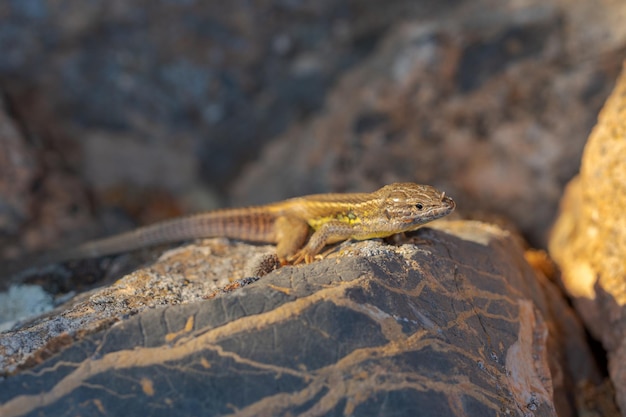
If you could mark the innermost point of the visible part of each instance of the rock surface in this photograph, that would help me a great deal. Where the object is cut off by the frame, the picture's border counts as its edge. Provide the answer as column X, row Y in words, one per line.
column 177, row 82
column 589, row 238
column 454, row 322
column 17, row 173
column 38, row 198
column 183, row 275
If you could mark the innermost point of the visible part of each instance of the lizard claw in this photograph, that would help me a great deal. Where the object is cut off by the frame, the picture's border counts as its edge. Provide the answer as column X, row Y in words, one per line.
column 300, row 257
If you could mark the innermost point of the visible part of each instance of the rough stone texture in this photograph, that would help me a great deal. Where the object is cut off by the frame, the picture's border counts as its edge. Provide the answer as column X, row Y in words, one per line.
column 589, row 239
column 455, row 322
column 188, row 274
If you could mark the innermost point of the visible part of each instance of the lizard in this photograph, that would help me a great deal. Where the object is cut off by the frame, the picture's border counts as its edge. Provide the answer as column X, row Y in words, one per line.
column 300, row 227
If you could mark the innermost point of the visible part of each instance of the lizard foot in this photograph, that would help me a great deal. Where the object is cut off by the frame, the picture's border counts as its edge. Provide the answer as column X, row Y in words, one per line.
column 301, row 256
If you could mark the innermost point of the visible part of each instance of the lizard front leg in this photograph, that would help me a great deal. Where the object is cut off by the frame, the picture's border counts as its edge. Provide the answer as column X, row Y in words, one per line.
column 291, row 233
column 330, row 232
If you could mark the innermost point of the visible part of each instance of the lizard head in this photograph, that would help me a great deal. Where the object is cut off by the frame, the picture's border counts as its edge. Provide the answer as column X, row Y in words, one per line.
column 409, row 205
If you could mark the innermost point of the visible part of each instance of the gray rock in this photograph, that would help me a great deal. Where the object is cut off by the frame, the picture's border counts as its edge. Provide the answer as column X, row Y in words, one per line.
column 452, row 322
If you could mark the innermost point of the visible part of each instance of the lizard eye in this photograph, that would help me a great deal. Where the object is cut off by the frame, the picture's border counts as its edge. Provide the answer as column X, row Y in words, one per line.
column 419, row 206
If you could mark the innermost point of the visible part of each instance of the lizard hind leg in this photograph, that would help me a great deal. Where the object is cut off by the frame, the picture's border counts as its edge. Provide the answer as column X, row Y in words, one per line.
column 291, row 234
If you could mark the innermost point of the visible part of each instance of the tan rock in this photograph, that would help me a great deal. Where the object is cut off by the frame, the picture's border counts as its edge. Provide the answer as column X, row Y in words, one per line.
column 589, row 238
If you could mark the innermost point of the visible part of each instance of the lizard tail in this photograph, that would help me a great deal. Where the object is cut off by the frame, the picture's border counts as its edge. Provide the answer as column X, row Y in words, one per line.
column 251, row 223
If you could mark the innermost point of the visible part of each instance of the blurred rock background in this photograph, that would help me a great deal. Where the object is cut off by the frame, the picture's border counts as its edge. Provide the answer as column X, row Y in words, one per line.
column 117, row 113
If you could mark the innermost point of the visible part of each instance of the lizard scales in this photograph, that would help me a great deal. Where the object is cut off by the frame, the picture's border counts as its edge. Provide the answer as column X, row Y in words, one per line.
column 322, row 218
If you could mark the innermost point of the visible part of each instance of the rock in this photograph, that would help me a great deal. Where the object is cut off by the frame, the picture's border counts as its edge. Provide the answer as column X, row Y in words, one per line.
column 17, row 173
column 183, row 275
column 201, row 81
column 589, row 238
column 39, row 202
column 453, row 321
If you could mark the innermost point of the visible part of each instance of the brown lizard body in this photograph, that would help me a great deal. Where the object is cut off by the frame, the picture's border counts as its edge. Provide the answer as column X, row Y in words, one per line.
column 331, row 218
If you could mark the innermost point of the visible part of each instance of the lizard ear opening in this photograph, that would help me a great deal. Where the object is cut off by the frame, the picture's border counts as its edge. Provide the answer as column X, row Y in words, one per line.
column 419, row 206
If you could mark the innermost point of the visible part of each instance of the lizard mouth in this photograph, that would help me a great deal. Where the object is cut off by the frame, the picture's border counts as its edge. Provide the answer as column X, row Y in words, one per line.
column 448, row 202
column 447, row 206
